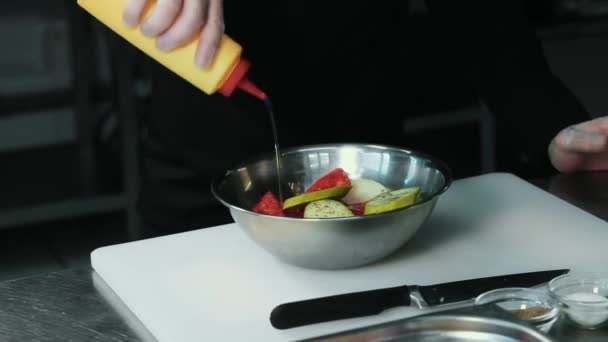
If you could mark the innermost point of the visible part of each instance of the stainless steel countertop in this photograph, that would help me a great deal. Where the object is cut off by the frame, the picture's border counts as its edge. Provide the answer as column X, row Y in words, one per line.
column 73, row 305
column 76, row 305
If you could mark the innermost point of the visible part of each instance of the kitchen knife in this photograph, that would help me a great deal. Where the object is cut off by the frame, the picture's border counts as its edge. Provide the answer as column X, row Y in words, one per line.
column 365, row 303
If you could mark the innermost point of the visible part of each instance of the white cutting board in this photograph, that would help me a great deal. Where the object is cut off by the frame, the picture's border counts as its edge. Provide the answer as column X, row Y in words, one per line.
column 215, row 284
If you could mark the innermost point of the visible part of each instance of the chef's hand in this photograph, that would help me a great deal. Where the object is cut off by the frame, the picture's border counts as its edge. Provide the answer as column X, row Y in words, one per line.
column 175, row 22
column 581, row 147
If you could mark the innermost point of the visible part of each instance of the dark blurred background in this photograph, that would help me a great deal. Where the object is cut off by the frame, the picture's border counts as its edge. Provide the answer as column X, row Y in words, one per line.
column 69, row 125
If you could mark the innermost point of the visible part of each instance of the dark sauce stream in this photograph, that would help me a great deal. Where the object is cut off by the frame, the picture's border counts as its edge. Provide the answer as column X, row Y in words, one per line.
column 277, row 153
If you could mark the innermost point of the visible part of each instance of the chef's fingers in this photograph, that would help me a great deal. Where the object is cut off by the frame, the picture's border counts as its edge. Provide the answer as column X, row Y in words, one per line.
column 597, row 125
column 133, row 12
column 162, row 17
column 575, row 139
column 211, row 36
column 186, row 27
column 564, row 160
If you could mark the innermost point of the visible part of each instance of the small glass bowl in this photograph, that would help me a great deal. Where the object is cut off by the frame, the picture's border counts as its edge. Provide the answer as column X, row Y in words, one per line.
column 582, row 297
column 532, row 305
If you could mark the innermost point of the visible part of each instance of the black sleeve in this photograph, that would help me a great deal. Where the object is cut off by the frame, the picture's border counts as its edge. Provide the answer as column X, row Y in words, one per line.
column 504, row 59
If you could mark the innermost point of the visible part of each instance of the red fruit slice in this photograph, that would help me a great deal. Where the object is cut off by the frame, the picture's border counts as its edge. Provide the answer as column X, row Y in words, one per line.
column 357, row 208
column 335, row 177
column 269, row 205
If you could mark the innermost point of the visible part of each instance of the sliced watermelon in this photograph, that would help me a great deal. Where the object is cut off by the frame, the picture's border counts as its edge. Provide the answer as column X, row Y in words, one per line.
column 269, row 205
column 335, row 177
column 357, row 208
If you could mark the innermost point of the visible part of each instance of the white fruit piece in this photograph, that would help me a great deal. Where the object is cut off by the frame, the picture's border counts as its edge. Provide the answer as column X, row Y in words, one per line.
column 363, row 190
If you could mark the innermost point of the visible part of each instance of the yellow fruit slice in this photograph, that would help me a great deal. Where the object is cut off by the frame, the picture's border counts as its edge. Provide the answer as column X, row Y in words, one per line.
column 326, row 208
column 335, row 192
column 391, row 200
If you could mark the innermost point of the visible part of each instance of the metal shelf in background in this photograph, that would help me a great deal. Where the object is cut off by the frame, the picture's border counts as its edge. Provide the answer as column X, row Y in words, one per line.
column 14, row 105
column 72, row 208
column 82, row 96
column 122, row 67
column 83, row 74
column 478, row 114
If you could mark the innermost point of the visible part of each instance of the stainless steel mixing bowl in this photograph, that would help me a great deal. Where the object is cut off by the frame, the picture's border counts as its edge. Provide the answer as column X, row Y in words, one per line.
column 332, row 243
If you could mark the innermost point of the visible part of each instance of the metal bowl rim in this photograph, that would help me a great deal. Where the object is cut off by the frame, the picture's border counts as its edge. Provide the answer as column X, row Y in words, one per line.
column 437, row 163
column 489, row 321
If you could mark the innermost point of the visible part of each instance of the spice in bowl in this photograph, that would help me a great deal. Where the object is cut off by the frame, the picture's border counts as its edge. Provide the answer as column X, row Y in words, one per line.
column 531, row 305
column 528, row 313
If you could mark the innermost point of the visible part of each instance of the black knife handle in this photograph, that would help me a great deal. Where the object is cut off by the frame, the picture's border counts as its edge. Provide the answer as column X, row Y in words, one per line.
column 342, row 306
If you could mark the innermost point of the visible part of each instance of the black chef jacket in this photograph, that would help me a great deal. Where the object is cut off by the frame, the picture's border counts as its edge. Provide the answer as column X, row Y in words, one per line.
column 350, row 71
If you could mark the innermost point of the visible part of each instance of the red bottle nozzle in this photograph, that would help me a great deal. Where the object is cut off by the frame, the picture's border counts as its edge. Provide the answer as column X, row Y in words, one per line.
column 249, row 87
column 237, row 79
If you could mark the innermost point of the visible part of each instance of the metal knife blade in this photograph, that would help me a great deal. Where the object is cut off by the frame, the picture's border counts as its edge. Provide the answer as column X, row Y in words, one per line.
column 365, row 303
column 459, row 291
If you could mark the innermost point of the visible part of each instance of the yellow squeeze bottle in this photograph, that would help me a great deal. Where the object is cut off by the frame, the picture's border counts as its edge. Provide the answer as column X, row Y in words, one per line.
column 226, row 72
